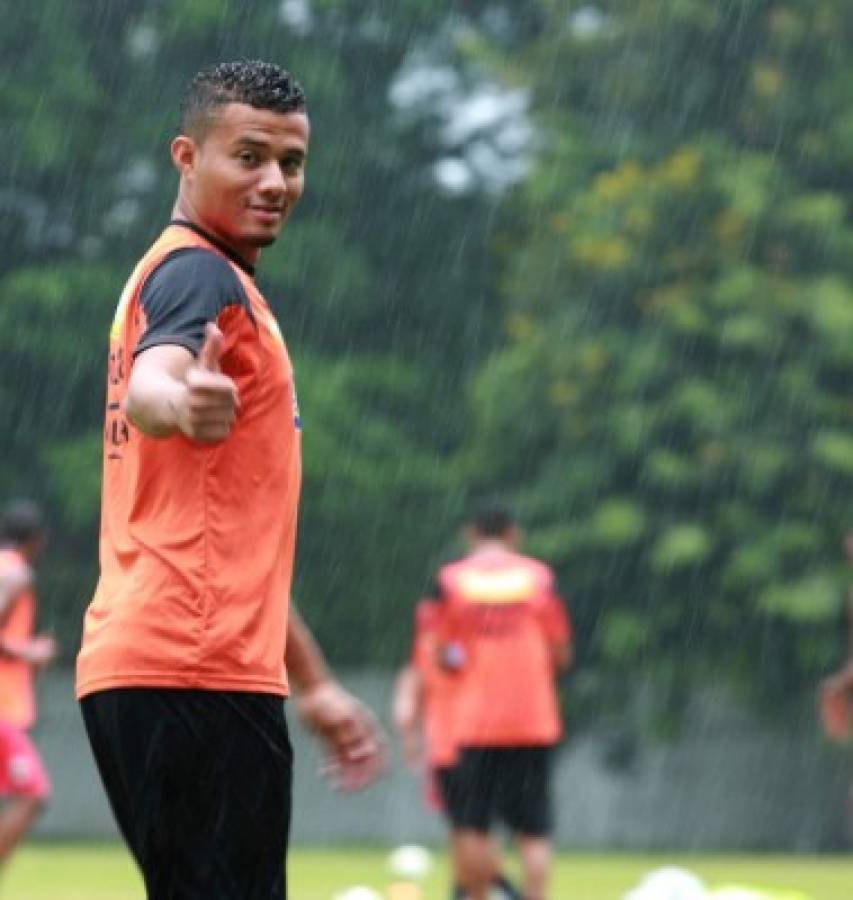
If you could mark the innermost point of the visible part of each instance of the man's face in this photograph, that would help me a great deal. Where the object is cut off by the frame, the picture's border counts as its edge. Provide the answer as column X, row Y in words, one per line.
column 242, row 178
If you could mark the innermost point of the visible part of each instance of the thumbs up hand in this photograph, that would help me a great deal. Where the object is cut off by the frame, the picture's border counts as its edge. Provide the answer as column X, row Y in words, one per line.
column 209, row 405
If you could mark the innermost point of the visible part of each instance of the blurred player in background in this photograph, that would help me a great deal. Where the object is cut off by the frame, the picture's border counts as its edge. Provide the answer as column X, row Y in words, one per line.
column 500, row 637
column 190, row 643
column 836, row 691
column 23, row 781
column 423, row 713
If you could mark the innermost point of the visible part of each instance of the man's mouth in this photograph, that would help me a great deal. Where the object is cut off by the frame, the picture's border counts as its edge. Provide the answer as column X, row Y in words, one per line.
column 271, row 212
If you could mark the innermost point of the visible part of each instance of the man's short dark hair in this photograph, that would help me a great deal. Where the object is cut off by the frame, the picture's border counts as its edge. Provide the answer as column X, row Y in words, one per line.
column 493, row 519
column 20, row 522
column 260, row 84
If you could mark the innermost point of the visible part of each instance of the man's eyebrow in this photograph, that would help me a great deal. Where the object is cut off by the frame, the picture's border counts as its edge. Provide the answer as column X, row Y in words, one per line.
column 262, row 144
column 247, row 141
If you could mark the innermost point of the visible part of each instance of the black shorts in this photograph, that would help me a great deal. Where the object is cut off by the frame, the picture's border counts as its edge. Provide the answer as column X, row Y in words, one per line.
column 510, row 784
column 200, row 785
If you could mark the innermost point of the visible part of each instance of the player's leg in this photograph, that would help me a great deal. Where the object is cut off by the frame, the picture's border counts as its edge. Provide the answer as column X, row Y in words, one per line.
column 525, row 804
column 469, row 796
column 475, row 868
column 200, row 784
column 120, row 734
column 536, row 858
column 24, row 782
column 17, row 818
column 501, row 887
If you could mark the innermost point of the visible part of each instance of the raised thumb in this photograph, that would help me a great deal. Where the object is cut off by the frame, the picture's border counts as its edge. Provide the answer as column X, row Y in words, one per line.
column 211, row 349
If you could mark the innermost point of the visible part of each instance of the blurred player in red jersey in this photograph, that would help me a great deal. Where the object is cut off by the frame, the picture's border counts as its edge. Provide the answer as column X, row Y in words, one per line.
column 23, row 779
column 502, row 635
column 422, row 710
column 836, row 691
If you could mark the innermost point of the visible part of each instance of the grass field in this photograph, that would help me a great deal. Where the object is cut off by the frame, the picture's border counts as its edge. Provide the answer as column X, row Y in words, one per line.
column 86, row 872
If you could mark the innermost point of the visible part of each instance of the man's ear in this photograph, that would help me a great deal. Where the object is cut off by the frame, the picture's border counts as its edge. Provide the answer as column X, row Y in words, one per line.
column 183, row 154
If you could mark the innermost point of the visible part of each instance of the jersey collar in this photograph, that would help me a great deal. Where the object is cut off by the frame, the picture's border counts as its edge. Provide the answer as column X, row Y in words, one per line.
column 224, row 248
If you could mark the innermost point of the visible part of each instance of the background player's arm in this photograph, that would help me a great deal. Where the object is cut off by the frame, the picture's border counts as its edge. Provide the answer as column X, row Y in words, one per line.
column 37, row 651
column 562, row 655
column 171, row 391
column 560, row 634
column 406, row 710
column 842, row 680
column 835, row 696
column 353, row 740
column 850, row 625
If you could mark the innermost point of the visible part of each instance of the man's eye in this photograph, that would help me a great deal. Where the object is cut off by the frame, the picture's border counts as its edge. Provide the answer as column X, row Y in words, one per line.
column 248, row 157
column 291, row 165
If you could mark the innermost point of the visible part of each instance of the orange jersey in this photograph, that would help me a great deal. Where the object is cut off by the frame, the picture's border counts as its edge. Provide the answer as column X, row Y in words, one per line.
column 17, row 694
column 503, row 610
column 197, row 540
column 440, row 687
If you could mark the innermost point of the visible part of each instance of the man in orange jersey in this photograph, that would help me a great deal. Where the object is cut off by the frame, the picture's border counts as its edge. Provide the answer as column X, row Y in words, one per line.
column 190, row 641
column 423, row 713
column 504, row 628
column 23, row 780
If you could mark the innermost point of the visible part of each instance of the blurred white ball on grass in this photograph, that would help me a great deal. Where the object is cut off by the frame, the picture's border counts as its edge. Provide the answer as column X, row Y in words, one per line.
column 359, row 892
column 669, row 883
column 410, row 861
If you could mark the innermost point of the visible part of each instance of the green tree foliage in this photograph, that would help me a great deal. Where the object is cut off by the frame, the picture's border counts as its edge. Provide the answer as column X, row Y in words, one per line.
column 378, row 281
column 648, row 347
column 672, row 397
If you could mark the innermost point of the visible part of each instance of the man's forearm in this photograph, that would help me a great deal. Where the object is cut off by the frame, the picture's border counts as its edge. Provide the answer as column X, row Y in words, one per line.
column 303, row 658
column 152, row 404
column 406, row 702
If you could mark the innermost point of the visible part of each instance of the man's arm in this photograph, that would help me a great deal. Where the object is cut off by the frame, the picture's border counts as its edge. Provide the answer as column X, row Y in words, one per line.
column 406, row 709
column 559, row 629
column 303, row 658
column 37, row 651
column 171, row 391
column 12, row 582
column 562, row 655
column 354, row 743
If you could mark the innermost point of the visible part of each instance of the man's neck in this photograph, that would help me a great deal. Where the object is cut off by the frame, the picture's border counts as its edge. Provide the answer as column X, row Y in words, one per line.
column 217, row 242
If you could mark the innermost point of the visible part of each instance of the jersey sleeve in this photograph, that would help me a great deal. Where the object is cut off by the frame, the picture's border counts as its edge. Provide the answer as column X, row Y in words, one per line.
column 190, row 288
column 556, row 619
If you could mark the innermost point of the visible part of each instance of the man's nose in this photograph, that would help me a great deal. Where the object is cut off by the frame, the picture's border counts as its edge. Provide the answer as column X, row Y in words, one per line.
column 273, row 180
